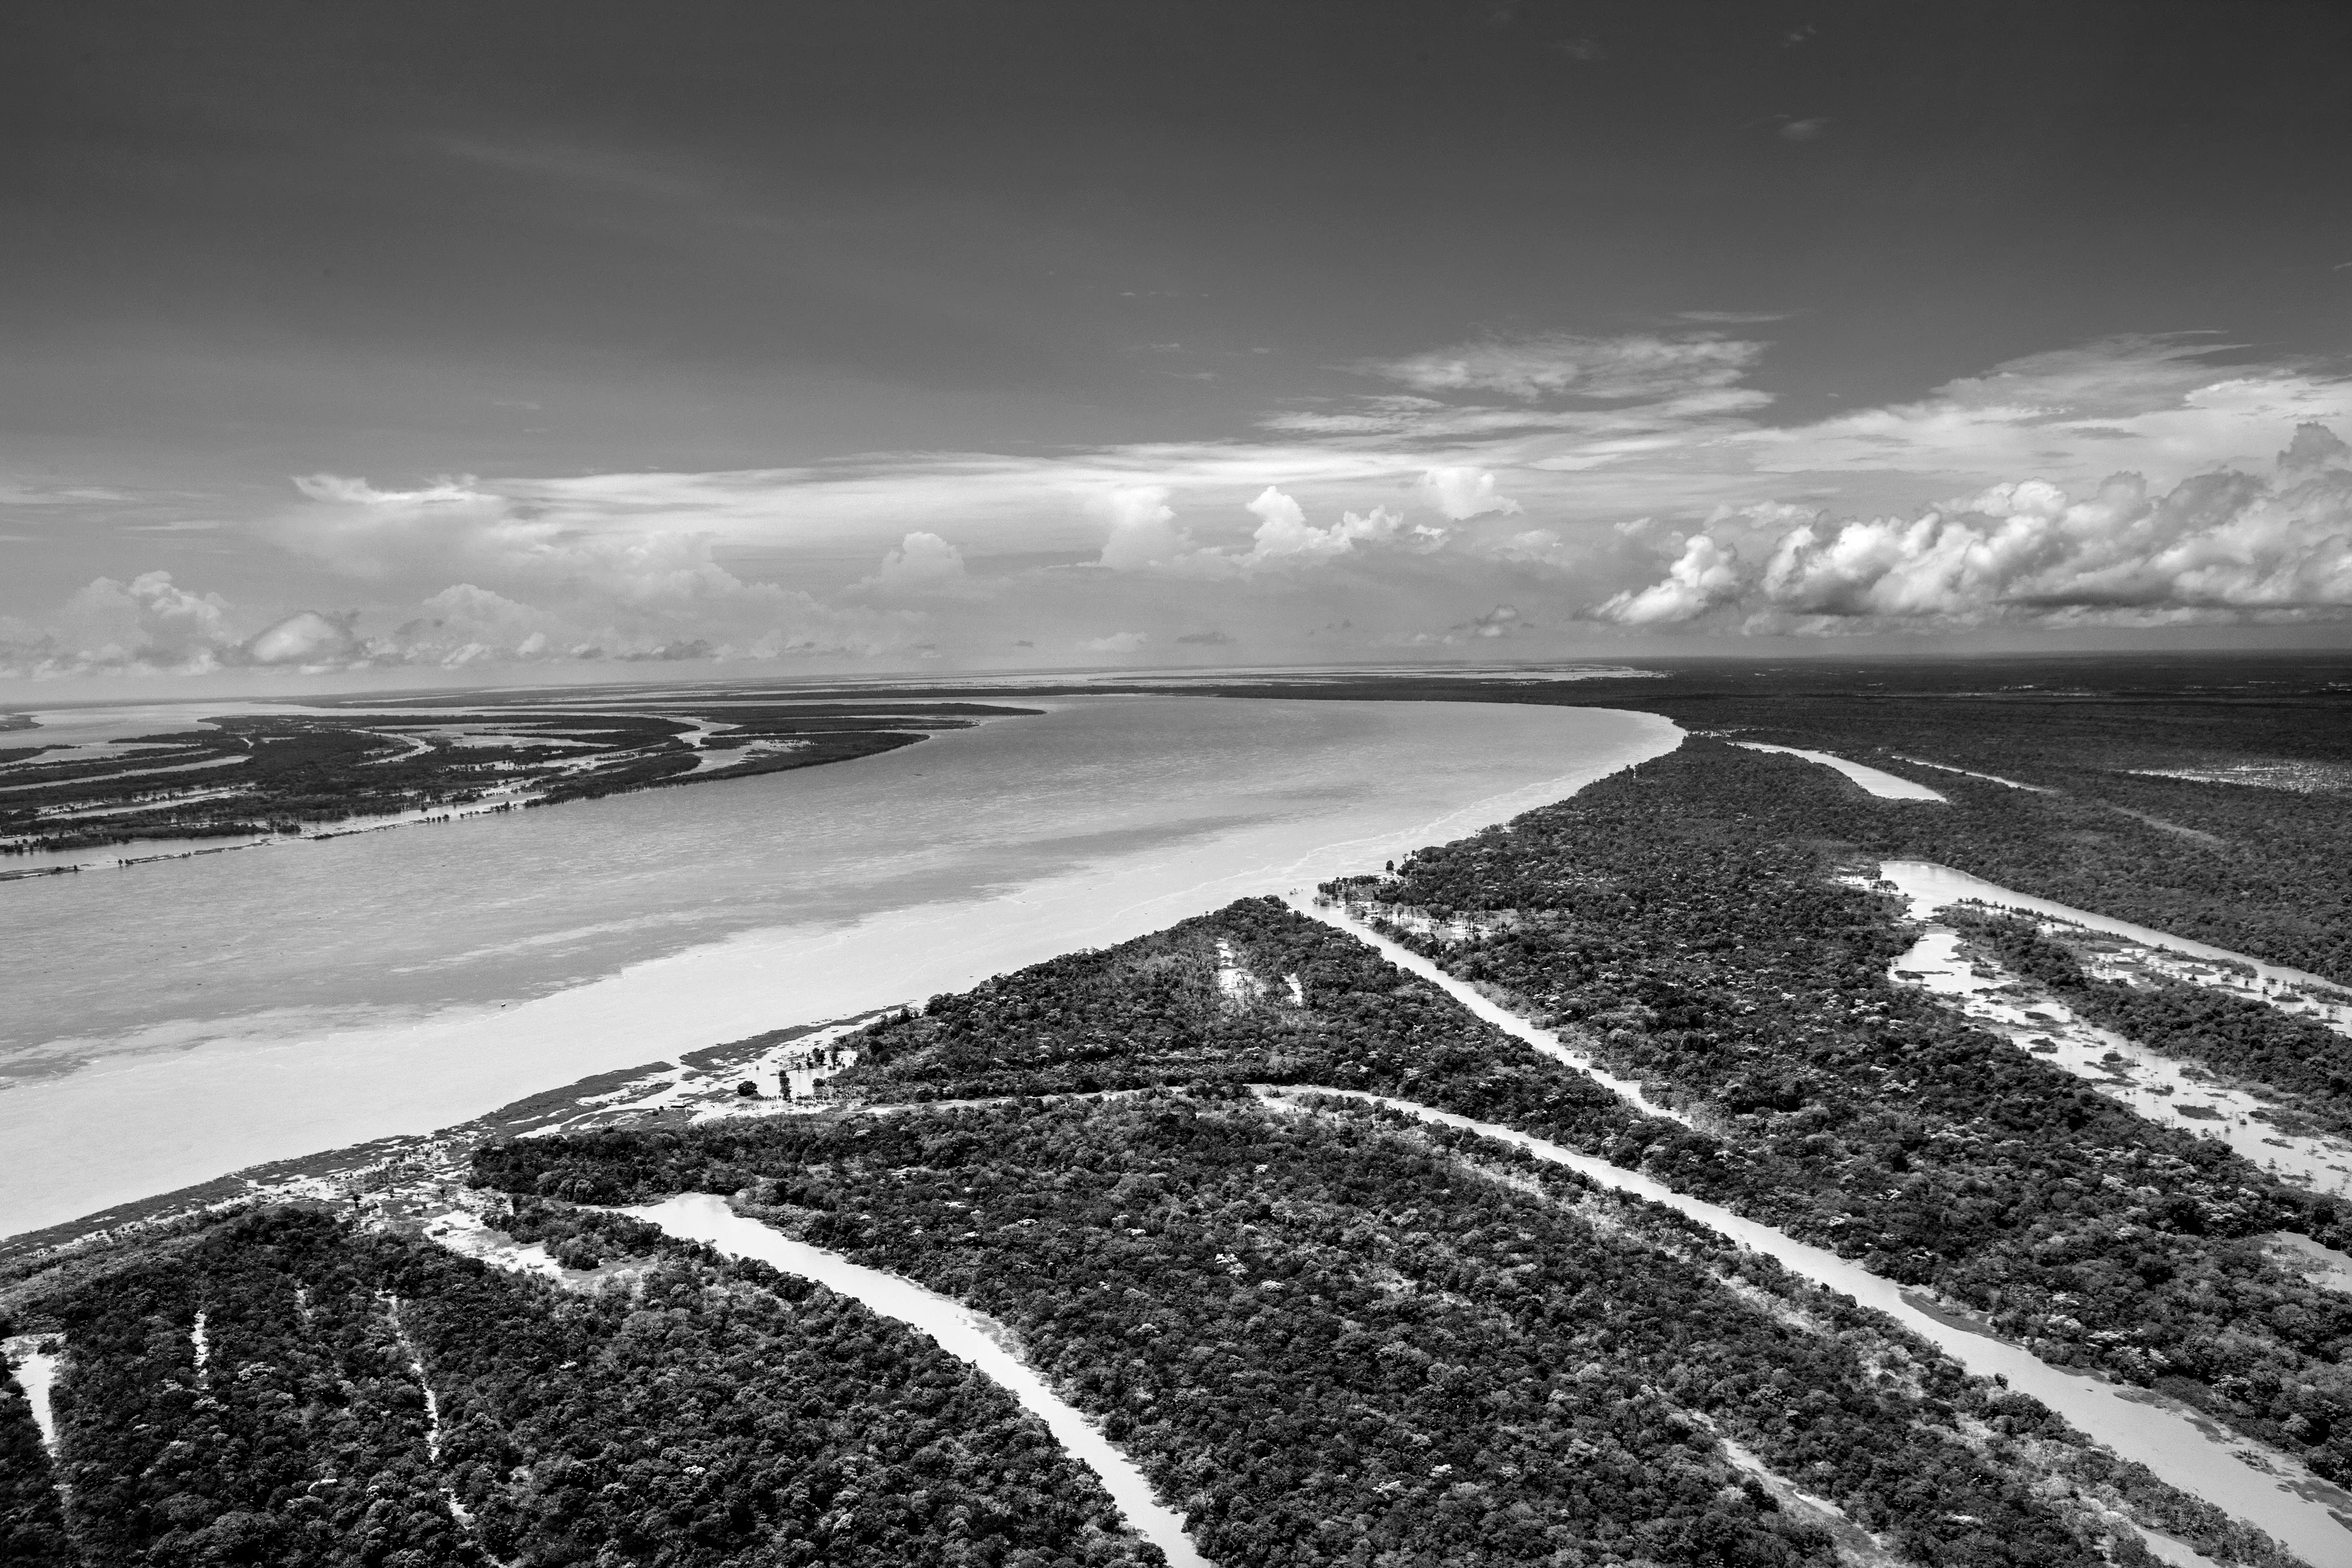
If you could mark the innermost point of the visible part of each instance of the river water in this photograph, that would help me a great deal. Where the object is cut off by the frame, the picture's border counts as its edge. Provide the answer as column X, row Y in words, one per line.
column 173, row 1021
column 2165, row 1089
column 977, row 1340
column 2185, row 1450
column 1877, row 781
column 1930, row 886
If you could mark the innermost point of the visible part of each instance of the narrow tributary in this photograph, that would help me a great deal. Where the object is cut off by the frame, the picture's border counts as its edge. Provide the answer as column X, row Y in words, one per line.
column 2265, row 1488
column 964, row 1334
column 36, row 1359
column 1929, row 886
column 2166, row 1089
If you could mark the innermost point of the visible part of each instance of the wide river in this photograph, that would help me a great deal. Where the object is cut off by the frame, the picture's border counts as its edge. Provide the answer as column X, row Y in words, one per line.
column 169, row 1021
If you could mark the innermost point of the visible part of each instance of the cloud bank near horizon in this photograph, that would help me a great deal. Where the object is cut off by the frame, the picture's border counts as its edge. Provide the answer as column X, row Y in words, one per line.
column 1596, row 488
column 2216, row 548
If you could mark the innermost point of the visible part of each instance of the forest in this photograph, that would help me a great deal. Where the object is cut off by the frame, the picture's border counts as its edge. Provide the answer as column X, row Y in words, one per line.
column 285, row 1387
column 1328, row 1340
column 1682, row 921
column 1740, row 982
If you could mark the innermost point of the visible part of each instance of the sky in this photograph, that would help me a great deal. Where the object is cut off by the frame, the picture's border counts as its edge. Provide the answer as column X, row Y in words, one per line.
column 428, row 343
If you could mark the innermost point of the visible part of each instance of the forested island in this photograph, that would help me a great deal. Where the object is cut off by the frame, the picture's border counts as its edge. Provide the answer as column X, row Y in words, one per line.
column 312, row 771
column 1327, row 1331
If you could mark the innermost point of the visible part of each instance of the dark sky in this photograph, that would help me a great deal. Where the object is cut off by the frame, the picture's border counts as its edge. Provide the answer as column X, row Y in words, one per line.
column 247, row 241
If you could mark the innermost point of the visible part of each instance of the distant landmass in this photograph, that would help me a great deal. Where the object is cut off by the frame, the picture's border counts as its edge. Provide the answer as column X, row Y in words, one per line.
column 317, row 771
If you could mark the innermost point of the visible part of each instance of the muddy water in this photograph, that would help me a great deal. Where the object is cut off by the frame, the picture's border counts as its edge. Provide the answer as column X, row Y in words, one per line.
column 169, row 1023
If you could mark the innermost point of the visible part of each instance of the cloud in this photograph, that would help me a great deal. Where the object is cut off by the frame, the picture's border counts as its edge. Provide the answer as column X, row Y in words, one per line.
column 1144, row 534
column 14, row 493
column 1462, row 493
column 1755, row 514
column 1500, row 621
column 308, row 639
column 1284, row 536
column 1805, row 129
column 2222, row 546
column 1560, row 364
column 923, row 563
column 1732, row 318
column 620, row 578
column 1535, row 546
column 1641, row 482
column 2313, row 450
column 1206, row 639
column 1705, row 575
column 151, row 624
column 1142, row 527
column 458, row 525
column 466, row 623
column 2073, row 414
column 1118, row 642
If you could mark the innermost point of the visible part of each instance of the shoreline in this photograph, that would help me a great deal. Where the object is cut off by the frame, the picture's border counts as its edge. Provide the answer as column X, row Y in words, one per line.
column 406, row 1159
column 438, row 1068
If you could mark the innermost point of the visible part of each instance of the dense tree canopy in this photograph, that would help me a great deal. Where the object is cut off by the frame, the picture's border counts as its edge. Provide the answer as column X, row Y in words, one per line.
column 284, row 1388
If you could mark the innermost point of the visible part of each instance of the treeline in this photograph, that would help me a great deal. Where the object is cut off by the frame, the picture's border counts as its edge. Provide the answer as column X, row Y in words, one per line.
column 1329, row 1343
column 1682, row 920
column 699, row 1414
column 2294, row 1058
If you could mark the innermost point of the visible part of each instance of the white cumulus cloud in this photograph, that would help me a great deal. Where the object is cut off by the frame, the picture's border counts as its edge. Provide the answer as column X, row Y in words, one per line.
column 309, row 640
column 1143, row 531
column 1705, row 575
column 2219, row 546
column 923, row 563
column 1284, row 536
column 1462, row 493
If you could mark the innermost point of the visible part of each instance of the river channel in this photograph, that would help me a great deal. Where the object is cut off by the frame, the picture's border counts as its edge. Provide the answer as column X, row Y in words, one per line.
column 168, row 1023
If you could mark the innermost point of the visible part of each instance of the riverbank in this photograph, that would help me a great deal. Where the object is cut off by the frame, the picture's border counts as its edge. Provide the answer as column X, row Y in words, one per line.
column 243, row 1009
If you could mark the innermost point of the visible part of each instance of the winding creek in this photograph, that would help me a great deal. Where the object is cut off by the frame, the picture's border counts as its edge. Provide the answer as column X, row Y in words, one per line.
column 2309, row 1516
column 977, row 1340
